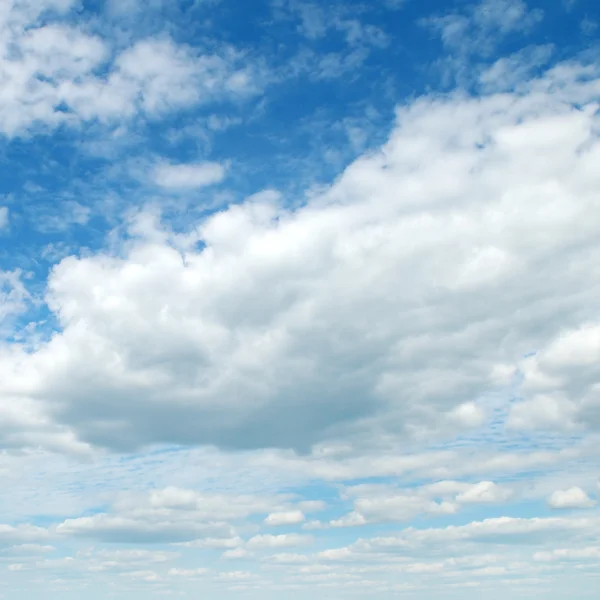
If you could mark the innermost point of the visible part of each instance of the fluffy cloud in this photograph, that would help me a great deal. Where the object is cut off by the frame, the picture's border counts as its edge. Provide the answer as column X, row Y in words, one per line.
column 560, row 383
column 292, row 517
column 155, row 76
column 572, row 498
column 286, row 540
column 483, row 493
column 172, row 515
column 381, row 503
column 53, row 72
column 251, row 340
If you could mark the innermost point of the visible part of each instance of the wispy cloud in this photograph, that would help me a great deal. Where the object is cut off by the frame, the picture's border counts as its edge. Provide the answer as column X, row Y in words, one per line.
column 186, row 176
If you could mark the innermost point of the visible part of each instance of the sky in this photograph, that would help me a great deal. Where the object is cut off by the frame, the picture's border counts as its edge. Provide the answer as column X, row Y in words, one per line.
column 299, row 298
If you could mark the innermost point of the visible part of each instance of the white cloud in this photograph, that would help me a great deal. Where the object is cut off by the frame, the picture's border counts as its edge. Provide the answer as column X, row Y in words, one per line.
column 202, row 505
column 285, row 540
column 292, row 517
column 560, row 383
column 42, row 57
column 399, row 508
column 152, row 77
column 385, row 503
column 572, row 498
column 188, row 176
column 355, row 519
column 483, row 493
column 57, row 73
column 172, row 344
column 467, row 415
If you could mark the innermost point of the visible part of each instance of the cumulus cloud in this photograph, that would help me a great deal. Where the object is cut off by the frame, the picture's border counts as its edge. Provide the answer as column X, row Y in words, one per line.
column 171, row 344
column 292, row 517
column 483, row 493
column 572, row 498
column 383, row 503
column 392, row 508
column 560, row 383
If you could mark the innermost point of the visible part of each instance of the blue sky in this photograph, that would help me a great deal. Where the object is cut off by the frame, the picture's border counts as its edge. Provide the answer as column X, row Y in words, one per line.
column 299, row 298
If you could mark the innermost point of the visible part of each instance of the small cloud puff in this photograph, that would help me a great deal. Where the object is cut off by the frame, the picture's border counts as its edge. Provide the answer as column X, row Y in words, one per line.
column 574, row 497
